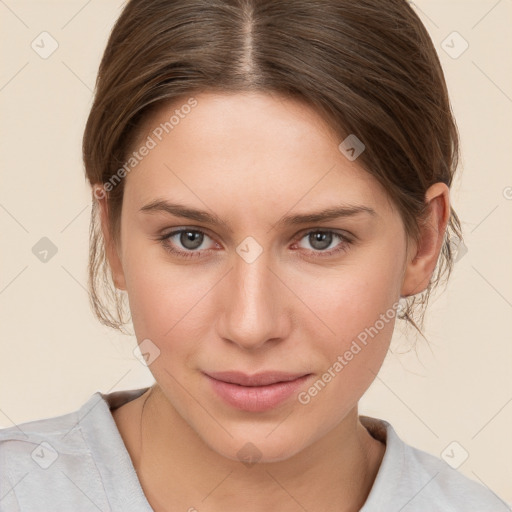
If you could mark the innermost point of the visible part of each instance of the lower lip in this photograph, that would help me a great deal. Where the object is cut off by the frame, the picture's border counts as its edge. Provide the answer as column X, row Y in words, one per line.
column 256, row 398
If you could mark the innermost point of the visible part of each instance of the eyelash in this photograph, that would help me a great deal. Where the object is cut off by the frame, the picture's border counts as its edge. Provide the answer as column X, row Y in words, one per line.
column 341, row 247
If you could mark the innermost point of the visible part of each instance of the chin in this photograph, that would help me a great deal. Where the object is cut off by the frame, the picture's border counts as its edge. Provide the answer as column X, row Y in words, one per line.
column 261, row 447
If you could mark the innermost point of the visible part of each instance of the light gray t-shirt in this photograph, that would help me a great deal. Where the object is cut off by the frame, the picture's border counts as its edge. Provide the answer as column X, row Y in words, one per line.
column 78, row 462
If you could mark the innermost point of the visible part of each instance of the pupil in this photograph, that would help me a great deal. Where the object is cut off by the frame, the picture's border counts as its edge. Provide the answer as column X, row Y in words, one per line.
column 320, row 240
column 191, row 239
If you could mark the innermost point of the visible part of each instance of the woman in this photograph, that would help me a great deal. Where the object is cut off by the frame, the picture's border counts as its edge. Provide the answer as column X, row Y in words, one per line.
column 270, row 189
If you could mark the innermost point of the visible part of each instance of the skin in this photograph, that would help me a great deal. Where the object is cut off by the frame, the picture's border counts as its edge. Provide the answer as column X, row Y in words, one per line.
column 252, row 159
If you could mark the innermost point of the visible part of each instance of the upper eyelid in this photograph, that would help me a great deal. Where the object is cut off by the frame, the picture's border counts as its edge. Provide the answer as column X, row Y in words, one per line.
column 176, row 231
column 297, row 237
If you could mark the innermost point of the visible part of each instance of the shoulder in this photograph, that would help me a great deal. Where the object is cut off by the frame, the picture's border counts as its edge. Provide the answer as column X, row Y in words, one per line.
column 437, row 483
column 39, row 443
column 48, row 462
column 73, row 462
column 416, row 481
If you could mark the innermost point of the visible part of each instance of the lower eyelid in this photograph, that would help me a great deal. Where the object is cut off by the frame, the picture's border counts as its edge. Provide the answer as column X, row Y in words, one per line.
column 340, row 247
column 343, row 244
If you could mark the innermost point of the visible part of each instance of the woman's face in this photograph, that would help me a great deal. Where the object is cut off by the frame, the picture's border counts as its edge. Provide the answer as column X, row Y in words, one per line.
column 254, row 287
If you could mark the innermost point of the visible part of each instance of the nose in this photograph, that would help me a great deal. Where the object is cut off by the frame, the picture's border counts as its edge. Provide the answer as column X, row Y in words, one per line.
column 255, row 308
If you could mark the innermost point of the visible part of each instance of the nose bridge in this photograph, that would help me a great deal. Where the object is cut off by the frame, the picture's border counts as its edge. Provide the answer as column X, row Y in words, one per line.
column 252, row 314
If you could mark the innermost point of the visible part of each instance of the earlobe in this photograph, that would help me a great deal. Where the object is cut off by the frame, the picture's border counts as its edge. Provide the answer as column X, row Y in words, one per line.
column 423, row 256
column 111, row 250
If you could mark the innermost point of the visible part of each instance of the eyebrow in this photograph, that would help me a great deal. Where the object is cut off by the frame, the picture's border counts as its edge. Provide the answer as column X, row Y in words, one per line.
column 331, row 213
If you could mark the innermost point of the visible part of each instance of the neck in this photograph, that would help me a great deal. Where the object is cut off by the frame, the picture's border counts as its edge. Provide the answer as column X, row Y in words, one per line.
column 175, row 466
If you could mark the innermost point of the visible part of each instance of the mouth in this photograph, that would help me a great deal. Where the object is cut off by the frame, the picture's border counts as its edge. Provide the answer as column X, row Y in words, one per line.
column 259, row 379
column 255, row 393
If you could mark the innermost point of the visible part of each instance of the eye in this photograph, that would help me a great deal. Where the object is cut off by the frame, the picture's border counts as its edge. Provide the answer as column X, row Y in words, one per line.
column 188, row 242
column 185, row 242
column 321, row 240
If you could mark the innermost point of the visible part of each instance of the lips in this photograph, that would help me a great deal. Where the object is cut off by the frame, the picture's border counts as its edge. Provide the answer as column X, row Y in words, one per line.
column 259, row 379
column 256, row 393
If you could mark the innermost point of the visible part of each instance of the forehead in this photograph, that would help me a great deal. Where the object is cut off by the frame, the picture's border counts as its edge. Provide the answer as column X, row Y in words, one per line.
column 247, row 148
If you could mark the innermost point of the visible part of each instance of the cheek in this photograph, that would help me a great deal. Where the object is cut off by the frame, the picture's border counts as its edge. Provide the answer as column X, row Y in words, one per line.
column 350, row 298
column 170, row 304
column 355, row 314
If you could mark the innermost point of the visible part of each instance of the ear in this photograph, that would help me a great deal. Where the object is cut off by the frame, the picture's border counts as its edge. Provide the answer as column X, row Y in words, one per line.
column 110, row 246
column 423, row 255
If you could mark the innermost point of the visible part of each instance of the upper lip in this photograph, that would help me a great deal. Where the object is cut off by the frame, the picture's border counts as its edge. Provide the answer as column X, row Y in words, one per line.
column 258, row 379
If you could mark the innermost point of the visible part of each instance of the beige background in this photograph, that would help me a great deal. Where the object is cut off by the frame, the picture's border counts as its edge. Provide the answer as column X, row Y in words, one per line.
column 54, row 354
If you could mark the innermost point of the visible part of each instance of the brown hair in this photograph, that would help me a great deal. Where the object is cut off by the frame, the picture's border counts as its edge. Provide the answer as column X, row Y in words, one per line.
column 368, row 67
